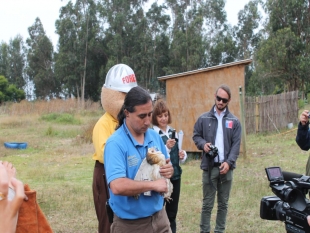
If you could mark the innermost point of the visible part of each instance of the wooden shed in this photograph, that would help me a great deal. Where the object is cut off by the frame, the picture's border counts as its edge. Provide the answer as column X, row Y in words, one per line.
column 191, row 93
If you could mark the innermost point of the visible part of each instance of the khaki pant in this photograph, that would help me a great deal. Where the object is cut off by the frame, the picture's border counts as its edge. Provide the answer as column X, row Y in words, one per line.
column 158, row 223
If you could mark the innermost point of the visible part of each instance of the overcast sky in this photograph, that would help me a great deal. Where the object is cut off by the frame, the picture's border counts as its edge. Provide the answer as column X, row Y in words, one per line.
column 17, row 15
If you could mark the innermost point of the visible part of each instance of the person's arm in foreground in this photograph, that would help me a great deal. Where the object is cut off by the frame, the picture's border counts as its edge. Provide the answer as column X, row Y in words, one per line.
column 9, row 208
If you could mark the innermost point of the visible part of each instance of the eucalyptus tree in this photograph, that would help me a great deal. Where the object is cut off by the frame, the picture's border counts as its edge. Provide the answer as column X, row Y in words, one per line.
column 4, row 59
column 187, row 47
column 223, row 50
column 81, row 52
column 136, row 35
column 13, row 60
column 220, row 44
column 214, row 17
column 119, row 27
column 138, row 43
column 155, row 53
column 278, row 59
column 283, row 58
column 247, row 34
column 67, row 64
column 40, row 62
column 17, row 62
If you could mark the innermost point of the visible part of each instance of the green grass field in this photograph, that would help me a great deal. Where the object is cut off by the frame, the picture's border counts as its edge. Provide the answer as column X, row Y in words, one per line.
column 58, row 165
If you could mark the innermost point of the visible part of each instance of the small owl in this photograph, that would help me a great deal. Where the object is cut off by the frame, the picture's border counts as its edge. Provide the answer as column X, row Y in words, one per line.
column 150, row 167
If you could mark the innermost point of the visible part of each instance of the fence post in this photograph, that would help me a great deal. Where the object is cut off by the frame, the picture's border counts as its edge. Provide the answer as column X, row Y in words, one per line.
column 242, row 120
column 256, row 115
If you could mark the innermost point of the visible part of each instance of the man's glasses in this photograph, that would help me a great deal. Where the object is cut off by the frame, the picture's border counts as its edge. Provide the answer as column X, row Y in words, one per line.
column 219, row 99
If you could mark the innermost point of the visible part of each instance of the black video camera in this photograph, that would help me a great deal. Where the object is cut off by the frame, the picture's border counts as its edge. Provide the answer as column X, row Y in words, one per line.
column 213, row 152
column 290, row 204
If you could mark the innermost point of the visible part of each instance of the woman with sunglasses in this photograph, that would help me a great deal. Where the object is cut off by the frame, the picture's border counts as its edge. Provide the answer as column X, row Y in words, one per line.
column 217, row 131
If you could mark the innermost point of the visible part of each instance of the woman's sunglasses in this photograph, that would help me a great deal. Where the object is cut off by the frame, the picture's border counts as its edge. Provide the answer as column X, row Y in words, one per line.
column 219, row 99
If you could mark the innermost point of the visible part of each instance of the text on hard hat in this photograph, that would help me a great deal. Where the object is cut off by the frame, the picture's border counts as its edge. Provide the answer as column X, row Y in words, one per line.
column 129, row 79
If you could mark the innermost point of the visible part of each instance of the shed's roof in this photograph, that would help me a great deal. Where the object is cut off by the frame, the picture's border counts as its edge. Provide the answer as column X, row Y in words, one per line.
column 242, row 62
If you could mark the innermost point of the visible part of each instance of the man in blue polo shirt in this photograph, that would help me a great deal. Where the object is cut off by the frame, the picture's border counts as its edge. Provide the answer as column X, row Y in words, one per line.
column 124, row 152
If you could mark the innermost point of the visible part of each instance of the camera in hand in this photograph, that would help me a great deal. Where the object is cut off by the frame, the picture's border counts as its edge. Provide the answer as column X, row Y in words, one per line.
column 290, row 204
column 213, row 151
column 173, row 134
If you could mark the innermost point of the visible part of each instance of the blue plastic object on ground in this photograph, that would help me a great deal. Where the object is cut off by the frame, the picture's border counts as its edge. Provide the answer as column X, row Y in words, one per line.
column 15, row 145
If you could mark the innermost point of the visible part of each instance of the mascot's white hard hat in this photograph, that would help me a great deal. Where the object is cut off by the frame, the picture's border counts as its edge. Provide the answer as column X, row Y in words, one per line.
column 120, row 78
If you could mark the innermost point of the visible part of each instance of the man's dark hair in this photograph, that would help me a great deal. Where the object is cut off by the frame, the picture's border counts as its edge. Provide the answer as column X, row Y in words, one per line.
column 136, row 96
column 225, row 88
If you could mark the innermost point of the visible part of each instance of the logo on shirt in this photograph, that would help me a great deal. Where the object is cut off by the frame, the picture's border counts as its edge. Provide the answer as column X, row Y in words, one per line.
column 132, row 160
column 229, row 124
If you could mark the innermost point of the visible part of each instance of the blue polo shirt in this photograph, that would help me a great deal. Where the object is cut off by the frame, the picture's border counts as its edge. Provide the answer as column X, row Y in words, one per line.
column 122, row 158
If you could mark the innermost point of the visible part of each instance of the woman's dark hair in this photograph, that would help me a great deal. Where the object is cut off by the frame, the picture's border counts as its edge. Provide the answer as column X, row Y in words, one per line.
column 136, row 96
column 159, row 108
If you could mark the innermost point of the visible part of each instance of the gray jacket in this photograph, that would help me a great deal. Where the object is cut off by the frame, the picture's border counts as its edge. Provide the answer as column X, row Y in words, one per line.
column 205, row 131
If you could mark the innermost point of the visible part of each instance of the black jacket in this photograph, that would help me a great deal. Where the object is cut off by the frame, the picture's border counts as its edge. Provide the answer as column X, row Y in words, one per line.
column 303, row 136
column 205, row 131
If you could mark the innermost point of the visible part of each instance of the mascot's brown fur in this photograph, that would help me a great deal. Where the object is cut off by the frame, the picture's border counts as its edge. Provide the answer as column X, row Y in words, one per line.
column 112, row 101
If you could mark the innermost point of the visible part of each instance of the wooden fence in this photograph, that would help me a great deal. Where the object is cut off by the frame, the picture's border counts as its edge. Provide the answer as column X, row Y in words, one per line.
column 271, row 113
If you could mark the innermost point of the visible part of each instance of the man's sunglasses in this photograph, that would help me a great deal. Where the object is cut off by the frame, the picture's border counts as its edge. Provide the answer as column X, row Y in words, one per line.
column 219, row 99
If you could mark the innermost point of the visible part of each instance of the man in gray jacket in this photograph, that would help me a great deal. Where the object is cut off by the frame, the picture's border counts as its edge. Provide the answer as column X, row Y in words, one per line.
column 217, row 133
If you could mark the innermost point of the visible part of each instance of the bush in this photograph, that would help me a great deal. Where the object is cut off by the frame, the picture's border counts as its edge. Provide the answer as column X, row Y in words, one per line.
column 50, row 131
column 301, row 103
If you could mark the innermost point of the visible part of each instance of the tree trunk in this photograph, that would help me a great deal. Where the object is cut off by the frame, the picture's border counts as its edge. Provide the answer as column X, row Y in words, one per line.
column 85, row 61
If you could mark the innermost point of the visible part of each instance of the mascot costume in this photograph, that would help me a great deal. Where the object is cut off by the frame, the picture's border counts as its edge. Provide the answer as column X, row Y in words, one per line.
column 119, row 80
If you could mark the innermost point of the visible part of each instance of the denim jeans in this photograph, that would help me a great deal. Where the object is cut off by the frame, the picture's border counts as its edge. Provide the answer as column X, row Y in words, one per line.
column 220, row 185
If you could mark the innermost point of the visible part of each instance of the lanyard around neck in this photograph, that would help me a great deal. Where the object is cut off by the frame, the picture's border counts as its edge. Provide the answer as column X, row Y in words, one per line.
column 127, row 133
